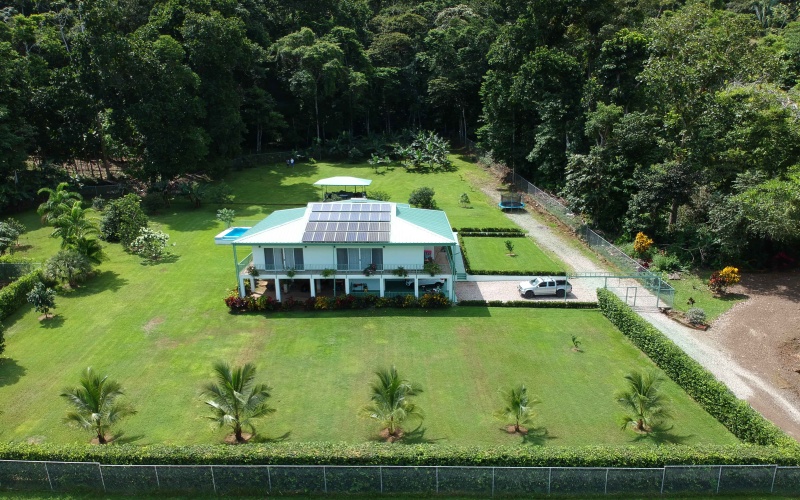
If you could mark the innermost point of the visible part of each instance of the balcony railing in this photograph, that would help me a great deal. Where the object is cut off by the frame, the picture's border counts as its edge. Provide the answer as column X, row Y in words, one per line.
column 387, row 271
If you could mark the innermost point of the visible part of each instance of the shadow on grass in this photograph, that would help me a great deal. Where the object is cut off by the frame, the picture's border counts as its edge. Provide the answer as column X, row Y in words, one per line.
column 121, row 438
column 454, row 312
column 266, row 439
column 662, row 434
column 537, row 436
column 167, row 259
column 55, row 321
column 10, row 371
column 417, row 436
column 106, row 280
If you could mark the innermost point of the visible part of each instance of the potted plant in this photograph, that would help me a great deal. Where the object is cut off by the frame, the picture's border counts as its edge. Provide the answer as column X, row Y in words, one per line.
column 370, row 270
column 252, row 270
column 327, row 273
column 291, row 273
column 432, row 267
column 400, row 271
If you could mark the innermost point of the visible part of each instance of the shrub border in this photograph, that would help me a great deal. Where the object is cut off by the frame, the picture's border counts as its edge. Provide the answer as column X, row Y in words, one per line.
column 545, row 304
column 736, row 415
column 14, row 295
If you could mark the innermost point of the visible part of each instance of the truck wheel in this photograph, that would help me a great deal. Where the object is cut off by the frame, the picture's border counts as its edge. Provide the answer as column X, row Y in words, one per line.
column 560, row 293
column 529, row 294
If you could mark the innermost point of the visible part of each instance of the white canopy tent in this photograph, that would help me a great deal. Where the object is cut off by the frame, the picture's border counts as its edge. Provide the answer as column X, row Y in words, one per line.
column 343, row 183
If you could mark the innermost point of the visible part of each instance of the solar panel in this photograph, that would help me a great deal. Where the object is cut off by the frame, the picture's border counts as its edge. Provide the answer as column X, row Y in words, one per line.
column 349, row 222
column 319, row 237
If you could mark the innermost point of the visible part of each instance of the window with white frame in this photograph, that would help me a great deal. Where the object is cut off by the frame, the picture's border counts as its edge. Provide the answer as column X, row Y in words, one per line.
column 281, row 259
column 357, row 259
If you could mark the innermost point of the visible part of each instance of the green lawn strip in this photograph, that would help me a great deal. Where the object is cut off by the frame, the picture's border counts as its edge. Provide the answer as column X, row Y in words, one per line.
column 695, row 285
column 490, row 254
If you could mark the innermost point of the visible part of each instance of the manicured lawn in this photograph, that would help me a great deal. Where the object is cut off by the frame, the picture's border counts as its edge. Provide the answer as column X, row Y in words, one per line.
column 490, row 254
column 158, row 328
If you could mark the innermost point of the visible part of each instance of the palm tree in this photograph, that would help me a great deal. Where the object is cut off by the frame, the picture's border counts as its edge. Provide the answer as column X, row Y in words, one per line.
column 391, row 404
column 234, row 400
column 72, row 225
column 646, row 406
column 516, row 406
column 58, row 201
column 90, row 248
column 95, row 403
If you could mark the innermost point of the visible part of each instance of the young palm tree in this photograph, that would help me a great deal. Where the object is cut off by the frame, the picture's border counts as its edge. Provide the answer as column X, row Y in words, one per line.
column 72, row 225
column 646, row 406
column 235, row 400
column 58, row 201
column 391, row 404
column 95, row 403
column 516, row 406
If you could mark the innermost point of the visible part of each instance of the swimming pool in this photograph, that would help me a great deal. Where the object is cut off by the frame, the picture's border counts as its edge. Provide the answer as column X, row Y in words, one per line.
column 230, row 235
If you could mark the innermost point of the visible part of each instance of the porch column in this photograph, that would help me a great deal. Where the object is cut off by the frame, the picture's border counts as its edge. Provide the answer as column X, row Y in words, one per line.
column 383, row 286
column 277, row 289
column 347, row 283
column 252, row 284
column 241, row 286
column 416, row 287
column 313, row 287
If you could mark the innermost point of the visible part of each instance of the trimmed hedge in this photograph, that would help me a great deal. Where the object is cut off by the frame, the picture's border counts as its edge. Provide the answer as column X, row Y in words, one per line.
column 492, row 235
column 546, row 304
column 417, row 454
column 742, row 420
column 13, row 296
column 509, row 230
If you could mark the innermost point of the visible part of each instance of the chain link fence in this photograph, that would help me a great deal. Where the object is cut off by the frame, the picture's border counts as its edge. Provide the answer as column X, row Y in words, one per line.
column 91, row 477
column 628, row 266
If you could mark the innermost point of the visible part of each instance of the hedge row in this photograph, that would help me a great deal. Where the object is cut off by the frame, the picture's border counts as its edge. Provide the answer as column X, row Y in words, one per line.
column 737, row 415
column 13, row 296
column 483, row 272
column 545, row 304
column 509, row 230
column 417, row 454
column 265, row 303
column 492, row 235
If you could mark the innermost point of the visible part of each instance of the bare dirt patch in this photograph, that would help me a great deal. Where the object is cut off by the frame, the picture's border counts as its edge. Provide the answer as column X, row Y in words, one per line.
column 391, row 438
column 231, row 438
column 763, row 335
column 152, row 324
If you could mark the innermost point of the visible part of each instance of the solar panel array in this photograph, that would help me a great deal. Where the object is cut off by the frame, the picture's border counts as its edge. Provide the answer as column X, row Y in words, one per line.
column 349, row 223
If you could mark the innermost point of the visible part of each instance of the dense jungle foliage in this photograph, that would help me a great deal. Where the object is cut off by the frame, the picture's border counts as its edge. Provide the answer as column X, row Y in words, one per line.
column 675, row 118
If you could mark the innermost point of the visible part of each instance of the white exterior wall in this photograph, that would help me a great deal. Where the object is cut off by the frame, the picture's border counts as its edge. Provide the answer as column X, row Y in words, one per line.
column 318, row 257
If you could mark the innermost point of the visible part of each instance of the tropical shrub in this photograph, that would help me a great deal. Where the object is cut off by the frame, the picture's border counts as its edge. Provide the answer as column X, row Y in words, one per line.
column 642, row 244
column 226, row 215
column 721, row 280
column 42, row 298
column 150, row 244
column 666, row 263
column 152, row 203
column 646, row 407
column 434, row 300
column 517, row 407
column 68, row 266
column 422, row 198
column 379, row 195
column 9, row 235
column 123, row 220
column 696, row 316
column 427, row 151
column 390, row 401
column 464, row 199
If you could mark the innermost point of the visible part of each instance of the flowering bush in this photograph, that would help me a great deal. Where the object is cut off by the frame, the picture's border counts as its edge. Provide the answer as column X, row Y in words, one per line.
column 434, row 300
column 150, row 245
column 642, row 244
column 322, row 303
column 721, row 280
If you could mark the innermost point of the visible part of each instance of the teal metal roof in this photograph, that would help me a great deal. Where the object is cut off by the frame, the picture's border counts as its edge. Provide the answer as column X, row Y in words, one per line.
column 275, row 219
column 432, row 220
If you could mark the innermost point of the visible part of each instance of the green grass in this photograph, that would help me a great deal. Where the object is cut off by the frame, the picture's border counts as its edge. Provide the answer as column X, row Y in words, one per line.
column 157, row 329
column 695, row 285
column 490, row 254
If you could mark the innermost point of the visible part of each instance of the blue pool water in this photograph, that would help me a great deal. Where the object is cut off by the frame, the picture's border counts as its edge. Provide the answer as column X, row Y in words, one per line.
column 235, row 233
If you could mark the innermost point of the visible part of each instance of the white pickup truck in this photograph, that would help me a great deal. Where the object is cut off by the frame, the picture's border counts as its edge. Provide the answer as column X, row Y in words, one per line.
column 544, row 285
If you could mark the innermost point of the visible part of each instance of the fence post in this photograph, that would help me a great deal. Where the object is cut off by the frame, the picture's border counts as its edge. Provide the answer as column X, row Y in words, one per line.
column 774, row 473
column 213, row 481
column 381, row 472
column 492, row 482
column 269, row 480
column 102, row 479
column 719, row 478
column 325, row 478
column 437, row 479
column 605, row 489
column 663, row 476
column 549, row 478
column 48, row 477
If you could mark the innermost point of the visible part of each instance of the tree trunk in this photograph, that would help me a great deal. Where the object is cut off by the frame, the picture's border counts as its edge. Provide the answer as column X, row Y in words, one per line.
column 259, row 132
column 103, row 151
column 673, row 213
column 101, row 439
column 238, row 433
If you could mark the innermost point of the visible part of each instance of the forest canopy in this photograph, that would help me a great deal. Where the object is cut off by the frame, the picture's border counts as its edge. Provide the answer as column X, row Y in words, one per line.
column 679, row 119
